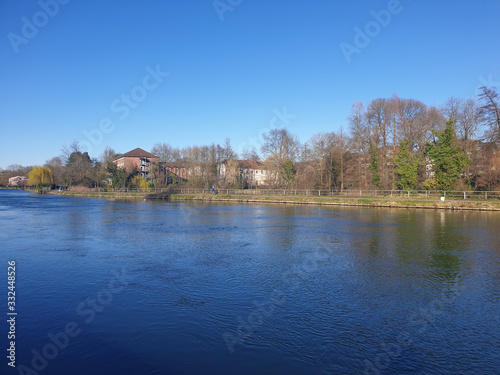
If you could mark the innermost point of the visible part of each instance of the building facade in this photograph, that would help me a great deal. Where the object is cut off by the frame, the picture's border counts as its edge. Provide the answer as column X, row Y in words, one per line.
column 248, row 172
column 140, row 160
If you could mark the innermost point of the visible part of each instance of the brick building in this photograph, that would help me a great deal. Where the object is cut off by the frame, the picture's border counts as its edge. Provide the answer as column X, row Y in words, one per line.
column 138, row 159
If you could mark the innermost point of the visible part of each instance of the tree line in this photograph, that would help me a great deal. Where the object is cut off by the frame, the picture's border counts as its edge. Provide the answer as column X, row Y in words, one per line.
column 389, row 143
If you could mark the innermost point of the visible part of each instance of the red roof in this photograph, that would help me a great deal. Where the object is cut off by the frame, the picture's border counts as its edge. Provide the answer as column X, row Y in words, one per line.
column 138, row 153
column 249, row 164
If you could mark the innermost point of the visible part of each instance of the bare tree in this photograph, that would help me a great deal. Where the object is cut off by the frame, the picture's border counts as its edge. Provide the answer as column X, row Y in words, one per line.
column 228, row 152
column 321, row 146
column 490, row 111
column 453, row 108
column 339, row 154
column 467, row 116
column 359, row 138
column 66, row 151
column 58, row 169
column 250, row 154
column 280, row 147
column 413, row 125
column 164, row 151
column 379, row 118
column 107, row 156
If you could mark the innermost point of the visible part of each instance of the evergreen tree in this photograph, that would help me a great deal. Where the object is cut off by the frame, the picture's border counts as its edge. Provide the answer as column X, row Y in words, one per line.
column 407, row 165
column 289, row 173
column 119, row 176
column 449, row 162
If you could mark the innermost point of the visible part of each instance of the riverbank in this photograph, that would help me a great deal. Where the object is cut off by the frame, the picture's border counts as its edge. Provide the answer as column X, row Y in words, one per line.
column 391, row 202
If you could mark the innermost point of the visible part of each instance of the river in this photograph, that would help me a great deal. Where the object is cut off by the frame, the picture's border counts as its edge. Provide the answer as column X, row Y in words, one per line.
column 144, row 287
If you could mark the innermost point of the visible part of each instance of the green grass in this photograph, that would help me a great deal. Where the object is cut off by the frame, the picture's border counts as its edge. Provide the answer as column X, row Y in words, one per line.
column 364, row 201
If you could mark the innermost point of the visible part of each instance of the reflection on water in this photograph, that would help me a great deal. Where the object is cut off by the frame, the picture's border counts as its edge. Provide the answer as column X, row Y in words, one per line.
column 292, row 289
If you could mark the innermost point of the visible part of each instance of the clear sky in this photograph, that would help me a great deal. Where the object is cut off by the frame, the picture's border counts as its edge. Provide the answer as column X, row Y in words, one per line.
column 100, row 67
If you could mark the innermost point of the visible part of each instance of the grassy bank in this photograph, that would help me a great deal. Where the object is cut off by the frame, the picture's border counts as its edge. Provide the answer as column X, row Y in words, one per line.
column 114, row 195
column 364, row 202
column 469, row 204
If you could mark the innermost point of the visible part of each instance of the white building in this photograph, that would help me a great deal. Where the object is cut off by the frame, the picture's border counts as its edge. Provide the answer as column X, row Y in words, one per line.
column 246, row 171
column 18, row 181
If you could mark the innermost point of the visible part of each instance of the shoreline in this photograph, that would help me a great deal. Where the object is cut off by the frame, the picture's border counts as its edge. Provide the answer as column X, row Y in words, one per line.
column 453, row 205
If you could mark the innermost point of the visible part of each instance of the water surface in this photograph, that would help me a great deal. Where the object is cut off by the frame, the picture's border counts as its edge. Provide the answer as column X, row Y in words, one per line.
column 187, row 288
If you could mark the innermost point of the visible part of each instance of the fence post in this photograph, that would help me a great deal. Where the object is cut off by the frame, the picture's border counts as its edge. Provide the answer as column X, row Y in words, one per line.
column 408, row 193
column 360, row 193
column 464, row 194
column 485, row 195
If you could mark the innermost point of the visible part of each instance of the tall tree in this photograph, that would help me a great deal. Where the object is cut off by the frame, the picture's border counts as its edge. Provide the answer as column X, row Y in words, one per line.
column 339, row 154
column 467, row 116
column 491, row 111
column 379, row 118
column 374, row 166
column 58, row 169
column 321, row 146
column 407, row 164
column 250, row 153
column 289, row 173
column 108, row 155
column 164, row 151
column 40, row 176
column 413, row 125
column 449, row 162
column 79, row 167
column 280, row 146
column 359, row 138
column 119, row 176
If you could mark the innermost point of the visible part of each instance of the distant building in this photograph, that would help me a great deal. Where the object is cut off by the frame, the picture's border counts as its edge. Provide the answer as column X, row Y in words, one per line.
column 139, row 160
column 253, row 172
column 429, row 168
column 175, row 171
column 247, row 172
column 18, row 181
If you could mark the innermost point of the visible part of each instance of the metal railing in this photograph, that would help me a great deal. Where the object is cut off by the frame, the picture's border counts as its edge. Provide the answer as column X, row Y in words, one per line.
column 397, row 194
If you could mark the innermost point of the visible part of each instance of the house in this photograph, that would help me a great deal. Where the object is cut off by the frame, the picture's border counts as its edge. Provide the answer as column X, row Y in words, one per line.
column 248, row 172
column 139, row 160
column 253, row 172
column 18, row 181
column 175, row 171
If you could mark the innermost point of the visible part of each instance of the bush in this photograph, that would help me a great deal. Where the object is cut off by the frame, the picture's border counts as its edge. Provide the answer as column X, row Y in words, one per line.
column 430, row 184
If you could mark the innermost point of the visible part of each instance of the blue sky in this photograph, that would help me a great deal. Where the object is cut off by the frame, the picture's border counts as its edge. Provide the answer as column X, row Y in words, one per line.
column 229, row 73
